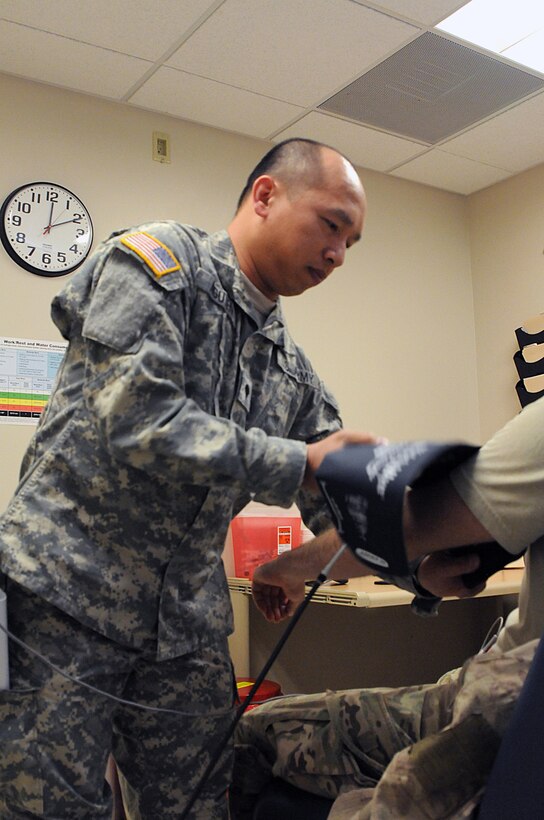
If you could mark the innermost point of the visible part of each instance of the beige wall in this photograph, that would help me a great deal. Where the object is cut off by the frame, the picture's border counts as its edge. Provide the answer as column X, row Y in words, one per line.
column 392, row 332
column 507, row 251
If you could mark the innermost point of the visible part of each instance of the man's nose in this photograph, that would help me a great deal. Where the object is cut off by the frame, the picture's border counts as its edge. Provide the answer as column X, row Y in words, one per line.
column 335, row 254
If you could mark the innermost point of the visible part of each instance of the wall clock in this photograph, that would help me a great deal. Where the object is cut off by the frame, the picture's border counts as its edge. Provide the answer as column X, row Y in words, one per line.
column 45, row 228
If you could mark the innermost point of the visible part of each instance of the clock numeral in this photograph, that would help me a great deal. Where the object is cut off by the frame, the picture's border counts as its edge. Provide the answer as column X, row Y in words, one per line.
column 36, row 197
column 80, row 232
column 61, row 257
column 15, row 219
column 20, row 237
column 46, row 258
column 78, row 217
column 25, row 207
column 32, row 249
column 73, row 248
column 52, row 196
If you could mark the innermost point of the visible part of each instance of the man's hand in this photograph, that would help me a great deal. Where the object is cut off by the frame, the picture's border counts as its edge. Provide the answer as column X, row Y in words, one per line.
column 318, row 450
column 278, row 586
column 441, row 574
column 275, row 593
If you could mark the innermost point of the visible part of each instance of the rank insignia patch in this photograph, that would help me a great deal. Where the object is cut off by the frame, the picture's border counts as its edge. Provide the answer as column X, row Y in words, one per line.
column 160, row 259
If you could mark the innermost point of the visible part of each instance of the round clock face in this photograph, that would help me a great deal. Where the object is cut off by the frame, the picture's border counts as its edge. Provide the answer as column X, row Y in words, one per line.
column 45, row 228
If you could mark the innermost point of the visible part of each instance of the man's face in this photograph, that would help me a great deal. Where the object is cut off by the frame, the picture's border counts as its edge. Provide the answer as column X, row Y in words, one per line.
column 306, row 235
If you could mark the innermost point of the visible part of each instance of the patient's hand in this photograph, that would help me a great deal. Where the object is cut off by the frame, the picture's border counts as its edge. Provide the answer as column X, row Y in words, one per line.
column 441, row 574
column 275, row 593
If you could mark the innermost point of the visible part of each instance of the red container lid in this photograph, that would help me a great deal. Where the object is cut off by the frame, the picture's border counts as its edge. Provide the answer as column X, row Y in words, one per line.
column 268, row 689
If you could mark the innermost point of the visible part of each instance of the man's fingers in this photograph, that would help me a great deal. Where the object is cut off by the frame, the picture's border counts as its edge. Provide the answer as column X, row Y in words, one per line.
column 272, row 601
column 336, row 441
column 357, row 437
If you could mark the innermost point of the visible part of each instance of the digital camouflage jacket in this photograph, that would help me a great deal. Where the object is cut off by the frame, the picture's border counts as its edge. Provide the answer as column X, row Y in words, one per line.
column 170, row 411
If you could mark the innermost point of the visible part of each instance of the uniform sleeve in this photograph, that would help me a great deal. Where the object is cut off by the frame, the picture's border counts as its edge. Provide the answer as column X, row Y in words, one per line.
column 503, row 485
column 319, row 417
column 135, row 390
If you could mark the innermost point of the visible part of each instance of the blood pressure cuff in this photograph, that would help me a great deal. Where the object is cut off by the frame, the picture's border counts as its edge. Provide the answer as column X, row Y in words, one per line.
column 364, row 487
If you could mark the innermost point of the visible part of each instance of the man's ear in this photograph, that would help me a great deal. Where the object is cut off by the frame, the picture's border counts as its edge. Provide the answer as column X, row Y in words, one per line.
column 263, row 191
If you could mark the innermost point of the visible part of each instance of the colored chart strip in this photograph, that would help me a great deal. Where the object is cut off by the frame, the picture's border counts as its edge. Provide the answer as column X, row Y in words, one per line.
column 21, row 404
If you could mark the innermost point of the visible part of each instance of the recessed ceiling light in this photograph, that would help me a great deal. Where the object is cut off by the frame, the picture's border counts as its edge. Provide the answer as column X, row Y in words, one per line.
column 512, row 28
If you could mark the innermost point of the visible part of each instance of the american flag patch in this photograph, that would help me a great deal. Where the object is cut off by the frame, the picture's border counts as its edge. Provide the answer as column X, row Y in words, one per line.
column 160, row 259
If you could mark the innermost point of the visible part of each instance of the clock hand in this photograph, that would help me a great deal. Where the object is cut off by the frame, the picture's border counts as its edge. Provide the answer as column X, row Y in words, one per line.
column 48, row 228
column 66, row 221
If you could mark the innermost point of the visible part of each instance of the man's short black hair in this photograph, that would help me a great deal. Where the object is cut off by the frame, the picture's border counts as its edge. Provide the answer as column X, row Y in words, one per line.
column 295, row 161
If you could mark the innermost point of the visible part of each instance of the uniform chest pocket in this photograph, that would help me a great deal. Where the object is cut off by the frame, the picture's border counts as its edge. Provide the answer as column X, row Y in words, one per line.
column 293, row 369
column 276, row 403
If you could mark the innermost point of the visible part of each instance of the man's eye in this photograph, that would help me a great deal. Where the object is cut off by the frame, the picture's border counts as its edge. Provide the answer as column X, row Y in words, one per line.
column 332, row 225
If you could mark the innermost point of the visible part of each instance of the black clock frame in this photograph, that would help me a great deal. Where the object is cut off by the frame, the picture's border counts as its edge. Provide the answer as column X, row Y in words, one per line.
column 15, row 256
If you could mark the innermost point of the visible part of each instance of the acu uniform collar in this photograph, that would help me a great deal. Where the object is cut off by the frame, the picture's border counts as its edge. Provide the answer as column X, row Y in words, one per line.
column 230, row 274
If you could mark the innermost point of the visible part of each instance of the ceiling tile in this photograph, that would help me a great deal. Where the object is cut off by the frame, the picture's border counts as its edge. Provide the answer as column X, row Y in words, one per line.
column 364, row 146
column 432, row 88
column 511, row 140
column 51, row 59
column 462, row 176
column 427, row 12
column 299, row 52
column 211, row 103
column 262, row 68
column 135, row 27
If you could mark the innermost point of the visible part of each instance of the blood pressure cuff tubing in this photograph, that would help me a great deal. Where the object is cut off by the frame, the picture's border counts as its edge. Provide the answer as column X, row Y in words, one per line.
column 364, row 487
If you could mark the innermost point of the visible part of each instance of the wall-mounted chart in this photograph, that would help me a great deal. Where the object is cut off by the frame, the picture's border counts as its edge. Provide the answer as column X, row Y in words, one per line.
column 27, row 372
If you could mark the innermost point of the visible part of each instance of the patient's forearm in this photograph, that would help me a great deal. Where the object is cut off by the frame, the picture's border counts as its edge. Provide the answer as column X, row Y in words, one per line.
column 307, row 561
column 435, row 518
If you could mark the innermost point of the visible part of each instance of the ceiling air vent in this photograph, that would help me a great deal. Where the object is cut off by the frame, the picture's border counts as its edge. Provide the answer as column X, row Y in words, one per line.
column 432, row 88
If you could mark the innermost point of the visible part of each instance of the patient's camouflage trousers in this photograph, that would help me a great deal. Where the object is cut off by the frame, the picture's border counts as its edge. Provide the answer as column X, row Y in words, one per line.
column 421, row 752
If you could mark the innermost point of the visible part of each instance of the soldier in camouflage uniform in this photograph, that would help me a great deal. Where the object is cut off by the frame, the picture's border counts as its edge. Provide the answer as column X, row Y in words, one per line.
column 181, row 396
column 419, row 752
